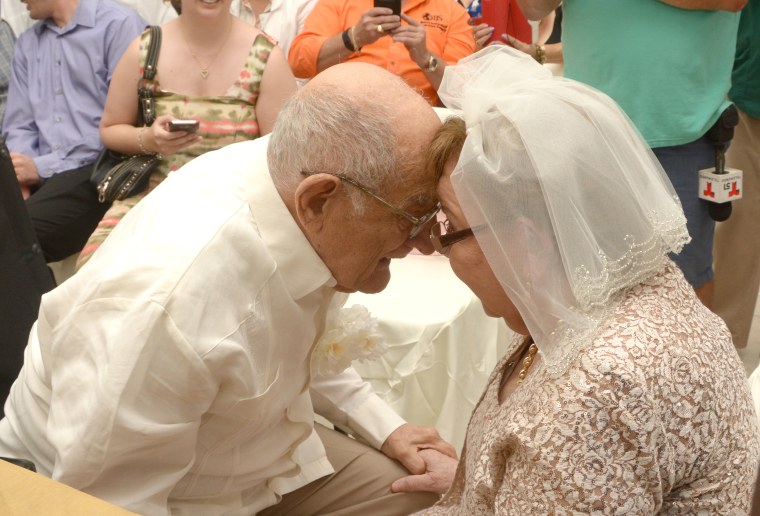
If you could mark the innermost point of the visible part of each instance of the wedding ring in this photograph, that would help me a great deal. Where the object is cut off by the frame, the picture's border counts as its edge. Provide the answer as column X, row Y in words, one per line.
column 380, row 29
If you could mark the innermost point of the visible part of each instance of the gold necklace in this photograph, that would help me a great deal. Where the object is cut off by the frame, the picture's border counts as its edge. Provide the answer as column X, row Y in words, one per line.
column 530, row 354
column 532, row 350
column 204, row 69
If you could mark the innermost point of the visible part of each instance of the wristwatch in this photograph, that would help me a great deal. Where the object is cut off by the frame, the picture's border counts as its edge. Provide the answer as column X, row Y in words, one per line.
column 432, row 65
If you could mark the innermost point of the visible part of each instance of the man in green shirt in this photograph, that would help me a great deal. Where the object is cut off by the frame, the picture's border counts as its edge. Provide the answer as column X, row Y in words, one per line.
column 668, row 64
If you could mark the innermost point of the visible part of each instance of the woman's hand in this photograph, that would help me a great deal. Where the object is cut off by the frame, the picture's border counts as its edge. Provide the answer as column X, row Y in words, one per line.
column 438, row 476
column 482, row 33
column 407, row 441
column 158, row 138
column 520, row 45
column 413, row 36
column 366, row 31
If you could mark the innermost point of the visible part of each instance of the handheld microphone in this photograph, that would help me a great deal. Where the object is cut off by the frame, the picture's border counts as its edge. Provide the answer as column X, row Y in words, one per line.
column 719, row 212
column 721, row 185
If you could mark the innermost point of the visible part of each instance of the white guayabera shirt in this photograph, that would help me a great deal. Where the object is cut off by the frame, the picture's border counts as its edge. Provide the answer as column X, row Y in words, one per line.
column 171, row 373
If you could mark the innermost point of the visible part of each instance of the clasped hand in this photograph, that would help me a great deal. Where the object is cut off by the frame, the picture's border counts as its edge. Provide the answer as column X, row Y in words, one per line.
column 431, row 460
column 412, row 34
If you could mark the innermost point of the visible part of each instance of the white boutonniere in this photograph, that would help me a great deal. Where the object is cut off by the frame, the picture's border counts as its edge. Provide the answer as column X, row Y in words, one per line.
column 350, row 334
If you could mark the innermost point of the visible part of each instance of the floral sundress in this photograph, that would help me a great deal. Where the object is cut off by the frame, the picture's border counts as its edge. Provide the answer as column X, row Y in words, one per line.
column 223, row 120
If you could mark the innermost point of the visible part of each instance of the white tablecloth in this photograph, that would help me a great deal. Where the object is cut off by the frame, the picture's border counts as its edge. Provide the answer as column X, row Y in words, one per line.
column 442, row 346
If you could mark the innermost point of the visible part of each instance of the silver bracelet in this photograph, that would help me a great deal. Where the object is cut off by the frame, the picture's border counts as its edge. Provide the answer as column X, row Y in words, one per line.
column 139, row 140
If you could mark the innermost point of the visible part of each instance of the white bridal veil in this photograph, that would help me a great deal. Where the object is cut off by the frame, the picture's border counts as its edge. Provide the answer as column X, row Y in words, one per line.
column 573, row 205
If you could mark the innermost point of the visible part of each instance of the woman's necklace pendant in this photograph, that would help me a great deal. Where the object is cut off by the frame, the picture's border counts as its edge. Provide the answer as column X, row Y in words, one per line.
column 204, row 74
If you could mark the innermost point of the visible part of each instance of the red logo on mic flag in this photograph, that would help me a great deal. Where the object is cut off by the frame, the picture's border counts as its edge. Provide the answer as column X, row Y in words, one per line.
column 708, row 191
column 734, row 190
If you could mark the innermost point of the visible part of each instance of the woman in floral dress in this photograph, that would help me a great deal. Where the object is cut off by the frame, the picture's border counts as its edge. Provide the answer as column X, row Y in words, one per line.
column 213, row 68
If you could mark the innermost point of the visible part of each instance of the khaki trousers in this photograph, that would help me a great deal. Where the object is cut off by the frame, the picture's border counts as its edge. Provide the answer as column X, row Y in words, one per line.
column 360, row 486
column 737, row 240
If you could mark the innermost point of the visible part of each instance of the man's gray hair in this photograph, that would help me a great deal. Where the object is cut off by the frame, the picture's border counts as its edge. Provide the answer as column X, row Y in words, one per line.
column 322, row 130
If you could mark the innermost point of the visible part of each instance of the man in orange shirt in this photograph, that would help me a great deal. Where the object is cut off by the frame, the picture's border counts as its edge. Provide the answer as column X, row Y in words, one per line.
column 416, row 45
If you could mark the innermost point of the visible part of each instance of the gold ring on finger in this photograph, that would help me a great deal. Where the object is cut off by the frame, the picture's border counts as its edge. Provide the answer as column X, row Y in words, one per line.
column 380, row 28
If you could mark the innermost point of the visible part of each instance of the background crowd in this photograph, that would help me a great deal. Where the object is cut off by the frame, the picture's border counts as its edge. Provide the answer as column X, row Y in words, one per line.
column 70, row 71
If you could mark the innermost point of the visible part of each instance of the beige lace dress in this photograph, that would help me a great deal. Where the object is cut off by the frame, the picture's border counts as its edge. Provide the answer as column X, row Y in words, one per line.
column 654, row 417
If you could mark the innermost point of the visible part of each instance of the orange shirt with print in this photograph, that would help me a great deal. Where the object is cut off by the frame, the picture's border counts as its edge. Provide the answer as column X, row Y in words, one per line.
column 448, row 35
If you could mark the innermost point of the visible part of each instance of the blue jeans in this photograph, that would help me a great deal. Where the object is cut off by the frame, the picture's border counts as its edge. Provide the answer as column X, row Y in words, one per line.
column 682, row 164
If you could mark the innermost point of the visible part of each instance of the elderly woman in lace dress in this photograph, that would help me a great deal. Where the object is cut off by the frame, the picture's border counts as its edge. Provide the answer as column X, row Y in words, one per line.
column 621, row 393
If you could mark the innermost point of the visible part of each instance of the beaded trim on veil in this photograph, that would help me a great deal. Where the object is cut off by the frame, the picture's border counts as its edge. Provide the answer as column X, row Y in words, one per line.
column 620, row 274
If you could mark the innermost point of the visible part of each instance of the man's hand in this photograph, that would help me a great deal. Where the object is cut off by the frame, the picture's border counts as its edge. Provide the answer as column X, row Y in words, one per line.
column 366, row 31
column 438, row 476
column 413, row 36
column 26, row 192
column 26, row 172
column 407, row 441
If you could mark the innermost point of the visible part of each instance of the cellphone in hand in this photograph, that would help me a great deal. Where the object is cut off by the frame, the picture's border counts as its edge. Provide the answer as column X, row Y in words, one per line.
column 191, row 126
column 394, row 5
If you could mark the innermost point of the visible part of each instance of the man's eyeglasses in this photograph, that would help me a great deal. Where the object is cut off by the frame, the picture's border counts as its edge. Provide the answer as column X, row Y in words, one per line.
column 442, row 239
column 418, row 223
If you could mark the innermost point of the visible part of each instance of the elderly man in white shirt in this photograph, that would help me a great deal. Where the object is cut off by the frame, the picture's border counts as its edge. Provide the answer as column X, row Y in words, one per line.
column 173, row 373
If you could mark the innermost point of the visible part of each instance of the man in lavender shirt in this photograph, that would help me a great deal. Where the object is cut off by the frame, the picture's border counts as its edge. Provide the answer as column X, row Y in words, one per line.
column 62, row 67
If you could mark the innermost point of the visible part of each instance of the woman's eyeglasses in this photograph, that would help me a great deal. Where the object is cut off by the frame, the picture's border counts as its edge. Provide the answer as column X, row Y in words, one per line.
column 442, row 239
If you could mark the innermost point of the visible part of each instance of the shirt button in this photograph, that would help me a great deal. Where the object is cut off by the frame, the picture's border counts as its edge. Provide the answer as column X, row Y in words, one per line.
column 58, row 120
column 56, row 146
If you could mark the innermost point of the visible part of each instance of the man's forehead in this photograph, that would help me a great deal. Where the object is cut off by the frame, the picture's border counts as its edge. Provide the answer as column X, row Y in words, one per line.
column 419, row 201
column 420, row 188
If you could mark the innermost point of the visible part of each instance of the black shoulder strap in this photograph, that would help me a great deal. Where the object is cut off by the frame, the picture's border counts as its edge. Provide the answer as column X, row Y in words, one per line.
column 154, row 48
column 145, row 88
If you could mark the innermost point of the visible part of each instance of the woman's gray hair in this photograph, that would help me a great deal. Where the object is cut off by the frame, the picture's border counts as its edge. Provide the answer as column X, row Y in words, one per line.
column 322, row 130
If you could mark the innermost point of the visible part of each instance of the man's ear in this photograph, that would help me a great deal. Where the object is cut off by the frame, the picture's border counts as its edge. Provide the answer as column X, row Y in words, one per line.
column 315, row 197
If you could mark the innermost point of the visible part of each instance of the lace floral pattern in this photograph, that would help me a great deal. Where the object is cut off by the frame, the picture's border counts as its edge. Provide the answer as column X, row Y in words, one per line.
column 654, row 416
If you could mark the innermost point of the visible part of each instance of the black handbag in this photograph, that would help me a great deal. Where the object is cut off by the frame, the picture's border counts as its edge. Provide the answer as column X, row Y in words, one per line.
column 118, row 176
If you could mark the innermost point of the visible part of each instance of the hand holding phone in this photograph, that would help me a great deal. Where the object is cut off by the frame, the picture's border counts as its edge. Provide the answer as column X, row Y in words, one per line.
column 190, row 126
column 393, row 5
